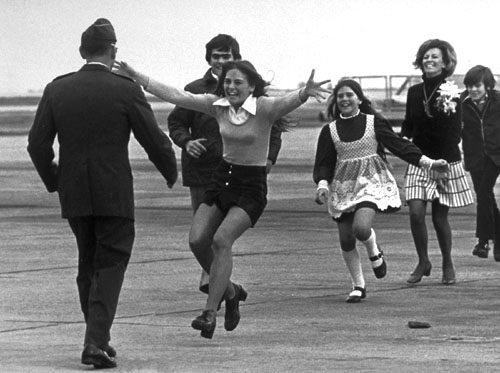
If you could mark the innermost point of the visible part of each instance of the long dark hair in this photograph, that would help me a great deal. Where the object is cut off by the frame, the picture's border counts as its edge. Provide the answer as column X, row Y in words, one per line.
column 247, row 69
column 365, row 107
column 284, row 123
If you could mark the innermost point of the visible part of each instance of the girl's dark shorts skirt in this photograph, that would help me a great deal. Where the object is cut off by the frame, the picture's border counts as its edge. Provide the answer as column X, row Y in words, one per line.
column 349, row 215
column 242, row 186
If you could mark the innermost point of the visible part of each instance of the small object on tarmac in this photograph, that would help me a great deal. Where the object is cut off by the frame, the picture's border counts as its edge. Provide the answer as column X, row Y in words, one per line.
column 418, row 325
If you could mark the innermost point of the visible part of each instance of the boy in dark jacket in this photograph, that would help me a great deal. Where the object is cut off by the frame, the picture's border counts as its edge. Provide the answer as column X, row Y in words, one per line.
column 481, row 147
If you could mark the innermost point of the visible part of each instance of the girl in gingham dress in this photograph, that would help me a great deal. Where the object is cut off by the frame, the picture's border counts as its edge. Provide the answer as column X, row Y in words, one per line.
column 437, row 133
column 353, row 177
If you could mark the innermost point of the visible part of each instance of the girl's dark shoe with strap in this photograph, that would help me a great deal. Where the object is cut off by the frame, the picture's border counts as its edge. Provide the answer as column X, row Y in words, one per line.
column 357, row 293
column 381, row 270
column 232, row 315
column 206, row 323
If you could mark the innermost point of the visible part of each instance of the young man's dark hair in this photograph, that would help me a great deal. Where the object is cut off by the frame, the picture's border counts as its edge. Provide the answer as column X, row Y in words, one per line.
column 224, row 43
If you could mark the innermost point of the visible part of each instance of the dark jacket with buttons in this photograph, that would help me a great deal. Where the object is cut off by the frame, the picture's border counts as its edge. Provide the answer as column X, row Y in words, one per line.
column 481, row 131
column 185, row 125
column 92, row 112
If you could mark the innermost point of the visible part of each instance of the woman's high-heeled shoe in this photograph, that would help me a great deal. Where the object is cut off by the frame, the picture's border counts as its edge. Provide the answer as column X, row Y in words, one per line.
column 206, row 323
column 448, row 276
column 419, row 272
column 232, row 315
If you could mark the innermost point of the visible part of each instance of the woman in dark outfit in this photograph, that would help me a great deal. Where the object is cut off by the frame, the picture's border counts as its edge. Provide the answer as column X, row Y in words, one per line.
column 354, row 179
column 437, row 133
column 481, row 147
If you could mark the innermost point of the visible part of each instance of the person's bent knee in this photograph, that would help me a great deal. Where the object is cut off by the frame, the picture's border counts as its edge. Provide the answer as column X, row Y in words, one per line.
column 361, row 232
column 108, row 257
column 221, row 244
column 199, row 244
column 199, row 241
column 112, row 262
column 348, row 245
column 439, row 221
column 417, row 216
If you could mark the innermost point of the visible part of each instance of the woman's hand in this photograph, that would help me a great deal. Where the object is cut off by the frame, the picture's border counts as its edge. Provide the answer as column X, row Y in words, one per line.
column 321, row 196
column 440, row 170
column 314, row 89
column 440, row 165
column 441, row 179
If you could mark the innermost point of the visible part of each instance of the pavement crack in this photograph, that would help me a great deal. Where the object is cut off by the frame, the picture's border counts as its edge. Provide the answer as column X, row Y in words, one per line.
column 28, row 327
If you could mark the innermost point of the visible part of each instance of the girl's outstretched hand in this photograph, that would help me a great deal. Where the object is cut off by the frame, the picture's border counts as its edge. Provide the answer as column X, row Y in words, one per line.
column 123, row 68
column 321, row 196
column 314, row 89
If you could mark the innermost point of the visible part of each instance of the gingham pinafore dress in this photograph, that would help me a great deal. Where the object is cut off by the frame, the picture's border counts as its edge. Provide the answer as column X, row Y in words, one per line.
column 361, row 175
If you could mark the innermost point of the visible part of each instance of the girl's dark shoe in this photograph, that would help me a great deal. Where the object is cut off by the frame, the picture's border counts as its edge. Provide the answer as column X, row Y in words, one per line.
column 419, row 272
column 448, row 276
column 357, row 293
column 232, row 315
column 381, row 270
column 206, row 323
column 481, row 249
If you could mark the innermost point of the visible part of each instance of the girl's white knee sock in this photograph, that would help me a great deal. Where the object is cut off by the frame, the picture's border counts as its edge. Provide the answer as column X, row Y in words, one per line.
column 353, row 263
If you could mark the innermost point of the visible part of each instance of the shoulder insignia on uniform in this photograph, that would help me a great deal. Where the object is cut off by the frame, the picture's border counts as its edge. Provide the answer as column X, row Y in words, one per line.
column 64, row 76
column 123, row 76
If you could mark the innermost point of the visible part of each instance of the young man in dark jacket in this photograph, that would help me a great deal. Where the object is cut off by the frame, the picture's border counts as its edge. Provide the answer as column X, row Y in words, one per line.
column 481, row 147
column 197, row 134
column 92, row 112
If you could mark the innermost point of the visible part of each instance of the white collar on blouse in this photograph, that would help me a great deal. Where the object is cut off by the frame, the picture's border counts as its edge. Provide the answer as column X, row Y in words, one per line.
column 243, row 113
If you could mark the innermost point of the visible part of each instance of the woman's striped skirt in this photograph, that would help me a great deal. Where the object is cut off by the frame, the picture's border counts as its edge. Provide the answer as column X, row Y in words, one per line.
column 421, row 184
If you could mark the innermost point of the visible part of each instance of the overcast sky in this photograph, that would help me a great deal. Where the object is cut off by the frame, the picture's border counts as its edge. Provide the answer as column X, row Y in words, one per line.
column 283, row 38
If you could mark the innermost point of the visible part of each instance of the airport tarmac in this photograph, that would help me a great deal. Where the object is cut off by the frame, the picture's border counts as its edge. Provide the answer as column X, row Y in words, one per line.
column 295, row 318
